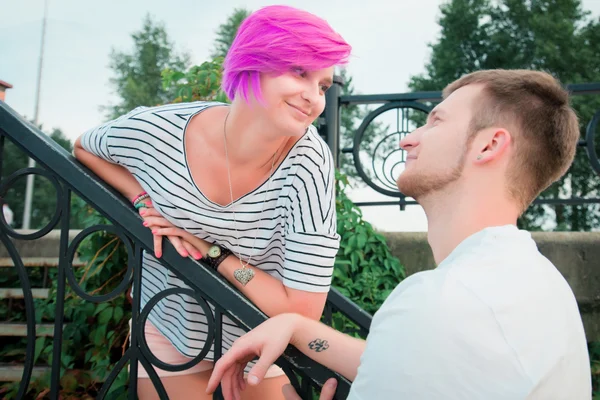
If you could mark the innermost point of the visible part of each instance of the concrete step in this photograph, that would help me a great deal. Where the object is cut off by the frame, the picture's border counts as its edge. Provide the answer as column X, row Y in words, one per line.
column 14, row 372
column 37, row 262
column 17, row 293
column 46, row 246
column 16, row 329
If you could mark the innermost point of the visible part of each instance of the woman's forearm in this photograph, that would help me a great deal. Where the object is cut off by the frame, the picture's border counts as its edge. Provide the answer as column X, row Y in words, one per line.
column 271, row 295
column 266, row 292
column 115, row 175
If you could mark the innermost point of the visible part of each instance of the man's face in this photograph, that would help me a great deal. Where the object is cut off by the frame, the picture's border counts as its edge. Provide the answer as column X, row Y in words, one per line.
column 436, row 152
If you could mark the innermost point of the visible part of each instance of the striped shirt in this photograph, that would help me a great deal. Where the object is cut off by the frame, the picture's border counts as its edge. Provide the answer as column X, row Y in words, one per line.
column 292, row 215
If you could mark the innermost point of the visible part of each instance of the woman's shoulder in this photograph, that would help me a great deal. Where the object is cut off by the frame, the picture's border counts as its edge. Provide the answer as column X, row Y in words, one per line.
column 312, row 146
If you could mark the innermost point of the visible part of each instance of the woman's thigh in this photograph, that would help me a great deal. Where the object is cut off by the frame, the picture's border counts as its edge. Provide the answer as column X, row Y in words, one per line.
column 177, row 387
column 194, row 386
column 269, row 389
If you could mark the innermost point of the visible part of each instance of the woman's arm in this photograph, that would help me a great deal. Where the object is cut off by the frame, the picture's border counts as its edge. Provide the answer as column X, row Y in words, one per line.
column 113, row 174
column 271, row 295
column 125, row 183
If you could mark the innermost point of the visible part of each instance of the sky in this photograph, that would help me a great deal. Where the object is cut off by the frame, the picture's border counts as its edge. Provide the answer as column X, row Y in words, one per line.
column 389, row 39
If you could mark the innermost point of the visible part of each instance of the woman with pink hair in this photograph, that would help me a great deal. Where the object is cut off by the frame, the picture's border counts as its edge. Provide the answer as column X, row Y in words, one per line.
column 247, row 187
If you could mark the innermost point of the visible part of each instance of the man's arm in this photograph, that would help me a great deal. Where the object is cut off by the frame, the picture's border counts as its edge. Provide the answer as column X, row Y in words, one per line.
column 335, row 350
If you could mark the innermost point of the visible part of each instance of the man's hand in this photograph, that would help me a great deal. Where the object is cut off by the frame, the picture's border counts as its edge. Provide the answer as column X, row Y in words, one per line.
column 327, row 392
column 267, row 341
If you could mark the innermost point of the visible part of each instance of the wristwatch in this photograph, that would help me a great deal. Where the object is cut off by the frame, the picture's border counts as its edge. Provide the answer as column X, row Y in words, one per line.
column 215, row 256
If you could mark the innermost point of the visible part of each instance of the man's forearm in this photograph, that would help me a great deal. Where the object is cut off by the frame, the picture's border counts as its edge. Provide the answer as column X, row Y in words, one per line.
column 335, row 350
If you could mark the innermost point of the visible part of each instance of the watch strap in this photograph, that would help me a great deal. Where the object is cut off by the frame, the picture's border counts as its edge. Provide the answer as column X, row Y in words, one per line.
column 215, row 262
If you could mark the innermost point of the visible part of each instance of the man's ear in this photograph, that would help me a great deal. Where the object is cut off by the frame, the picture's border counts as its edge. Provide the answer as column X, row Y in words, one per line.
column 491, row 144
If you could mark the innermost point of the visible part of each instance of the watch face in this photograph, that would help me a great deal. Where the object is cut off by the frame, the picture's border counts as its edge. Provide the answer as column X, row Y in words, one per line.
column 214, row 251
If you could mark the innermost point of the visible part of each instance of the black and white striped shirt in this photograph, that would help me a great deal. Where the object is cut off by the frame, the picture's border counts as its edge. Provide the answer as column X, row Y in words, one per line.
column 296, row 238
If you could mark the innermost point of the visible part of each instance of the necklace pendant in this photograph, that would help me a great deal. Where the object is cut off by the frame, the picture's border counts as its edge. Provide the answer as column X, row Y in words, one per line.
column 243, row 275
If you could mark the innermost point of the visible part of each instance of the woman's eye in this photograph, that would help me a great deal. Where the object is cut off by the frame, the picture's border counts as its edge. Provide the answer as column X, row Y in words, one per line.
column 298, row 71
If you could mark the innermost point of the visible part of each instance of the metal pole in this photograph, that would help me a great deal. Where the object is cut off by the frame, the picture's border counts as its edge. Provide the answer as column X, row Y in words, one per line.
column 332, row 117
column 30, row 177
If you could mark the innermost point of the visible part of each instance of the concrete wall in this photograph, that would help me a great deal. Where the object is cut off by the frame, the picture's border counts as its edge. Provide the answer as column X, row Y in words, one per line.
column 575, row 254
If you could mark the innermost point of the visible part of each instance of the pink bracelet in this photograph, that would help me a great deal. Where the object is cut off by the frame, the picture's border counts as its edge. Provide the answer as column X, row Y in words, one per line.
column 140, row 197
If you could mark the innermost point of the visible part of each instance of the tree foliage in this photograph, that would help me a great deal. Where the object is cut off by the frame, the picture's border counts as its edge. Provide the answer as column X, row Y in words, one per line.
column 137, row 76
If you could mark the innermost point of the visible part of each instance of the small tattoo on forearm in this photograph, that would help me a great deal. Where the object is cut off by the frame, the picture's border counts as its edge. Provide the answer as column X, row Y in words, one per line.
column 318, row 345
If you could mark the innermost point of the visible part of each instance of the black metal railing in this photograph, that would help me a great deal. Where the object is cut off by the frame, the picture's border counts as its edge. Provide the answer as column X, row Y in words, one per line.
column 206, row 286
column 379, row 162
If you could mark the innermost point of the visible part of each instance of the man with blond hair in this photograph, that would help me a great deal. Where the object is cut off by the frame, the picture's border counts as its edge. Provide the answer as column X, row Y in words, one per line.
column 495, row 319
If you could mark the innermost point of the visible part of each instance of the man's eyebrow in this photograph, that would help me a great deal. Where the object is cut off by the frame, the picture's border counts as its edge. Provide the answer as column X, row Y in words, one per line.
column 436, row 113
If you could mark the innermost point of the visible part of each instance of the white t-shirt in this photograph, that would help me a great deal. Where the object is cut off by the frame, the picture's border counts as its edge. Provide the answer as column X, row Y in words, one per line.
column 495, row 320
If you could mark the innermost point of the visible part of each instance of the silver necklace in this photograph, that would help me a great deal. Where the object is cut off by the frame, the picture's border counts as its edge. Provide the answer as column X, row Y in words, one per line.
column 244, row 274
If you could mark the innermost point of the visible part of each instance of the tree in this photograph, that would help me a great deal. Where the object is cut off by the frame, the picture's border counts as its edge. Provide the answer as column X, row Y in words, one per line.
column 227, row 31
column 137, row 79
column 552, row 35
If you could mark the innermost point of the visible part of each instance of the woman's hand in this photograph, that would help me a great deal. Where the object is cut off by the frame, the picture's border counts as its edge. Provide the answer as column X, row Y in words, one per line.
column 184, row 242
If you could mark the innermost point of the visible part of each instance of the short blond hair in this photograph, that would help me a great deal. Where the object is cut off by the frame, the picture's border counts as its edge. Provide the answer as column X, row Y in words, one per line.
column 535, row 108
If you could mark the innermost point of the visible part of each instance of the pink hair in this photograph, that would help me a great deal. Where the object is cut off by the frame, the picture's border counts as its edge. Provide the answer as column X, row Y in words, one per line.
column 276, row 39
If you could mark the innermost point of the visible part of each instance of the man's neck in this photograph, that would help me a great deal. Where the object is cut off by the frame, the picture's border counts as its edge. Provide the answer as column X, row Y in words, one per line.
column 453, row 217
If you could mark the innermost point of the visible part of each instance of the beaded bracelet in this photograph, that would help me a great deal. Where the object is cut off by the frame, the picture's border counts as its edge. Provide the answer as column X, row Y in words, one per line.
column 139, row 198
column 141, row 205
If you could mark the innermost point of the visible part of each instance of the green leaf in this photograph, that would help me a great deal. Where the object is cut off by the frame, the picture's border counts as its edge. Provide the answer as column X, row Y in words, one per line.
column 361, row 240
column 66, row 360
column 99, row 335
column 105, row 316
column 39, row 346
column 101, row 307
column 88, row 355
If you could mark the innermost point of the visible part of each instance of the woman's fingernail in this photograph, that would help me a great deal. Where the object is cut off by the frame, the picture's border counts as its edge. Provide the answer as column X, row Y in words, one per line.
column 253, row 380
column 332, row 384
column 185, row 254
column 145, row 223
column 197, row 256
column 154, row 231
column 142, row 211
column 158, row 254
